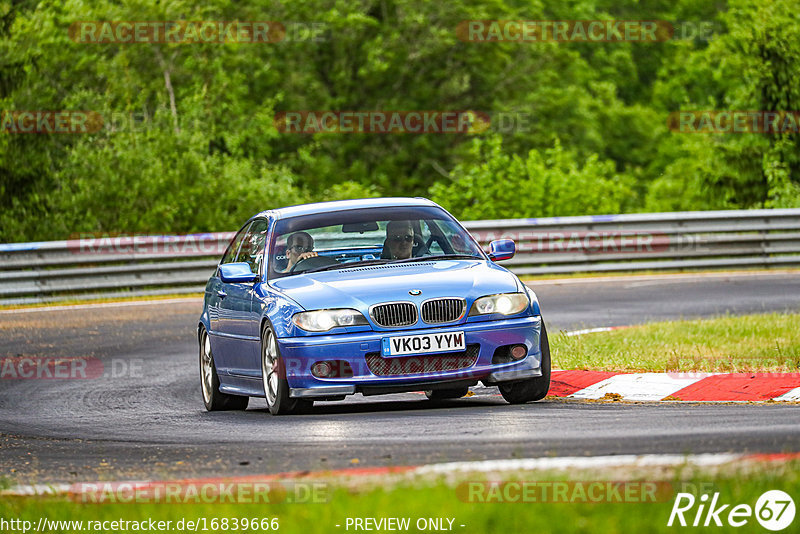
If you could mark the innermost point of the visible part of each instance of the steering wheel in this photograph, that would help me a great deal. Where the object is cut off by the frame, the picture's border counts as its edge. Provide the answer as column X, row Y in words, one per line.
column 420, row 248
column 438, row 240
column 312, row 263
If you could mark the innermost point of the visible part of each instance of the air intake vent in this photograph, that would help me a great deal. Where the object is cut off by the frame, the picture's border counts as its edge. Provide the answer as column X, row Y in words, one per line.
column 443, row 310
column 424, row 363
column 394, row 314
column 389, row 266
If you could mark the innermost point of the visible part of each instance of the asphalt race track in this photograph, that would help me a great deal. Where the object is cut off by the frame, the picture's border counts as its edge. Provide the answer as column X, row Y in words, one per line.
column 144, row 418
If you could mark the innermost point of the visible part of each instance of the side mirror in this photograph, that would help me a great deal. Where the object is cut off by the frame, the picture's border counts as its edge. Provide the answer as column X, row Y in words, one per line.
column 236, row 273
column 502, row 249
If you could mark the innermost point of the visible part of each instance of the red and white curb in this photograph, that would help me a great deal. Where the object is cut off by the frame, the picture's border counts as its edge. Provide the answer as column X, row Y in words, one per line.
column 677, row 386
column 370, row 474
column 698, row 387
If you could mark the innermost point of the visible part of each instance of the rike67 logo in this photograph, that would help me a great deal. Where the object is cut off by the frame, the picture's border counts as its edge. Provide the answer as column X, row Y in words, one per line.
column 774, row 510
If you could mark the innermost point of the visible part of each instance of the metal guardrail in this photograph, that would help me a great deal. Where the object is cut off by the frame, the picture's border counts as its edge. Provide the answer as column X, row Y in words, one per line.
column 135, row 266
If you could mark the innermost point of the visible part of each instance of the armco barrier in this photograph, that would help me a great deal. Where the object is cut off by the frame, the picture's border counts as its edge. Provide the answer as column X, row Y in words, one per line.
column 152, row 265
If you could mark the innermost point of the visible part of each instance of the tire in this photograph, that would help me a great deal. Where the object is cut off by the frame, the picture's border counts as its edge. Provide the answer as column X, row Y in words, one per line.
column 273, row 376
column 444, row 394
column 213, row 398
column 532, row 389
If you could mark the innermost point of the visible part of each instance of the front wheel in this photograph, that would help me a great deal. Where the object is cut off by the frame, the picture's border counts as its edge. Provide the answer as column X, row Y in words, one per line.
column 532, row 389
column 213, row 398
column 273, row 374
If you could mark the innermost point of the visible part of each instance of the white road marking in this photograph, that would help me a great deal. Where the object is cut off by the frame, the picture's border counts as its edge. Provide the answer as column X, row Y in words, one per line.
column 579, row 462
column 791, row 396
column 593, row 330
column 103, row 305
column 666, row 277
column 639, row 386
column 37, row 489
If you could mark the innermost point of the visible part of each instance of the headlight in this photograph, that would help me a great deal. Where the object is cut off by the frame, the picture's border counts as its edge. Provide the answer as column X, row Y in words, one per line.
column 324, row 320
column 504, row 304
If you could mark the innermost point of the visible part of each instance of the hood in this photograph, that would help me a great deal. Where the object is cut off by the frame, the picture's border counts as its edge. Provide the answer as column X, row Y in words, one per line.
column 362, row 287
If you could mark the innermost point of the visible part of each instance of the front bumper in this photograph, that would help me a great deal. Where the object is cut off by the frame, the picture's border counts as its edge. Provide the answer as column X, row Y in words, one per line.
column 300, row 353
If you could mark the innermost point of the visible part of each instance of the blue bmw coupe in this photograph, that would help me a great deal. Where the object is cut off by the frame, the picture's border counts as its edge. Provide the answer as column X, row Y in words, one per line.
column 374, row 296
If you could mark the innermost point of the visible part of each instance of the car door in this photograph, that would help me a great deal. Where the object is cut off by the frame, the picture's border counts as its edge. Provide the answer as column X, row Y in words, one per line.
column 240, row 321
column 223, row 342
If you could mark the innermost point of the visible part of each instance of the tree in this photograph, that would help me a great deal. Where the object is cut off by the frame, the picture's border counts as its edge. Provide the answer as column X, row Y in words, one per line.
column 493, row 184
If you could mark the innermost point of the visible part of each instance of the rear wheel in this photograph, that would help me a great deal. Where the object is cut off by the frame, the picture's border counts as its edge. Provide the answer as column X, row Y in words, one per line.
column 532, row 389
column 444, row 394
column 273, row 374
column 213, row 398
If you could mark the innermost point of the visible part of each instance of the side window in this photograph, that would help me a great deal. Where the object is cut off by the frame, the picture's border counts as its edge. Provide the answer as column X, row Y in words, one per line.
column 233, row 248
column 280, row 259
column 252, row 249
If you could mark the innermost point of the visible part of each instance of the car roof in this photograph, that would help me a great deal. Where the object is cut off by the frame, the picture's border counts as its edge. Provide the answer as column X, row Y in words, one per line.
column 340, row 205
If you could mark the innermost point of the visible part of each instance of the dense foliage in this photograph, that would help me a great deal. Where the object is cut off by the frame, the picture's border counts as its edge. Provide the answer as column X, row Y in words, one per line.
column 189, row 142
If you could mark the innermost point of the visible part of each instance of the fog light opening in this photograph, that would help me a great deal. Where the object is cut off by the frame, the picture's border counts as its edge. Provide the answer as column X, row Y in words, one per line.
column 518, row 352
column 332, row 369
column 322, row 369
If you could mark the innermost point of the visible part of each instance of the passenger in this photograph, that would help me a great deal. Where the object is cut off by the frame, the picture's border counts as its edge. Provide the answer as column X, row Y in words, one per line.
column 299, row 246
column 399, row 240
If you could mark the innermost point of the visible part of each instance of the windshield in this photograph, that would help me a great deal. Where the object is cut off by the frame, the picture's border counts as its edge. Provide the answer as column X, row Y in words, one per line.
column 352, row 238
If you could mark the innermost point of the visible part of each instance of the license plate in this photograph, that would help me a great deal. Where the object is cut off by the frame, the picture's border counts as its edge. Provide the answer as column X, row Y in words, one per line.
column 423, row 343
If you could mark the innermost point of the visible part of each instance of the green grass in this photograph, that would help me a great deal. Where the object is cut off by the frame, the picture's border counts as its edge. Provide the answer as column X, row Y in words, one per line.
column 440, row 499
column 769, row 342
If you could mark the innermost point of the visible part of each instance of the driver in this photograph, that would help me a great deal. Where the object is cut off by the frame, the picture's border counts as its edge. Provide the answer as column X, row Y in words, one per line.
column 299, row 246
column 400, row 239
